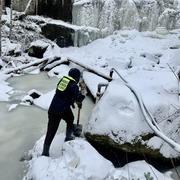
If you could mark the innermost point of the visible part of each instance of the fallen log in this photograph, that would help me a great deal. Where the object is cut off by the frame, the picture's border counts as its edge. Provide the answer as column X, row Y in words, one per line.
column 90, row 69
column 53, row 63
column 24, row 66
column 45, row 64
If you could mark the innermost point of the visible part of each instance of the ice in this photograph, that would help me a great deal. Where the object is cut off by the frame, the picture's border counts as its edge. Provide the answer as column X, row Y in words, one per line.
column 113, row 15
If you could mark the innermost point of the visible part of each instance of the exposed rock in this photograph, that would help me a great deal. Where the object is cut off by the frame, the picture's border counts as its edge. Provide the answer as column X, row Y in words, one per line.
column 117, row 153
column 29, row 98
column 61, row 9
column 1, row 63
column 60, row 34
column 65, row 34
column 37, row 49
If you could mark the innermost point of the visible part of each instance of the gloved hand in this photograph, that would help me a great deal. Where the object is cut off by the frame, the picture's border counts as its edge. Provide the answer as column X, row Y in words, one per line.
column 73, row 106
column 79, row 104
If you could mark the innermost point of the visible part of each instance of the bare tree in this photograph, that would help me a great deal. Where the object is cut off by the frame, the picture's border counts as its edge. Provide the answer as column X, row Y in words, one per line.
column 11, row 23
column 28, row 6
column 1, row 8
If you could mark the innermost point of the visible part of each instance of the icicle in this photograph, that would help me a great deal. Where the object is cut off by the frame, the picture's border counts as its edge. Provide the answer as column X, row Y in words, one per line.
column 62, row 3
column 28, row 5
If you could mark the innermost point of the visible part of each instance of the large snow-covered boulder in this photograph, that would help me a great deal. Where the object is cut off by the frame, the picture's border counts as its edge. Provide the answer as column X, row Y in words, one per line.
column 37, row 48
column 117, row 121
column 78, row 160
column 113, row 15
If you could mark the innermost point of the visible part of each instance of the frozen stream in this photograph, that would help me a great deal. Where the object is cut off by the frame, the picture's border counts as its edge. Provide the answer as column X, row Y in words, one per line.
column 23, row 126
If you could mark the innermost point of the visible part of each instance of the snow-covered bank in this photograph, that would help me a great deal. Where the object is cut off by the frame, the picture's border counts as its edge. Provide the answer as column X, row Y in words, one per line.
column 4, row 87
column 78, row 160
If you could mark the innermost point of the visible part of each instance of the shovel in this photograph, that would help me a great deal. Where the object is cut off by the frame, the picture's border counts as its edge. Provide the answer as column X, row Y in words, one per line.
column 78, row 127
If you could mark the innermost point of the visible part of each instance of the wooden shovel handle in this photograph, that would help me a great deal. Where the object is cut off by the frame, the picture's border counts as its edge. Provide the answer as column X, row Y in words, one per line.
column 78, row 116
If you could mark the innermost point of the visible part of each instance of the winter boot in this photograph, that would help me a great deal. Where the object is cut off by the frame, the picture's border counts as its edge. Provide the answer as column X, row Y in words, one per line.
column 69, row 134
column 45, row 150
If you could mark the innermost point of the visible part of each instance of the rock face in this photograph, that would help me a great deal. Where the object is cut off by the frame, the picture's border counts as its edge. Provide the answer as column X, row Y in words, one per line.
column 37, row 49
column 58, row 33
column 118, row 125
column 113, row 15
column 58, row 9
column 69, row 35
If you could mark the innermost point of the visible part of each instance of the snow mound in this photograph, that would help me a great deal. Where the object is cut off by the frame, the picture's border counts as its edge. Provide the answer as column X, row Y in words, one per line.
column 118, row 113
column 138, row 170
column 76, row 160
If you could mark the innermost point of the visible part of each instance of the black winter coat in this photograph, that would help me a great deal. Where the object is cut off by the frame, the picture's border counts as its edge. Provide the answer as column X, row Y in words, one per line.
column 62, row 100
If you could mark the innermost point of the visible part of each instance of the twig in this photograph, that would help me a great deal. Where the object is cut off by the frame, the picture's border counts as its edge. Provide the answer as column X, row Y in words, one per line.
column 173, row 72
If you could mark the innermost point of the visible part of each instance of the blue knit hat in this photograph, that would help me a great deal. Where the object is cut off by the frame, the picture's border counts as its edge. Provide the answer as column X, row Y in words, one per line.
column 75, row 73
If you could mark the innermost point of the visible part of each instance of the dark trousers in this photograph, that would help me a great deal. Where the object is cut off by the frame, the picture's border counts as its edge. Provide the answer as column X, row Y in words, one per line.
column 53, row 124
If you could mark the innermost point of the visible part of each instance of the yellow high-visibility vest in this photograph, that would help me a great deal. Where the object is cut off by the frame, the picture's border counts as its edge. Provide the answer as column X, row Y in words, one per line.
column 63, row 83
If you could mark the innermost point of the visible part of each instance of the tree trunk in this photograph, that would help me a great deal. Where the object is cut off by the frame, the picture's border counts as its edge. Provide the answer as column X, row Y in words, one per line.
column 90, row 69
column 11, row 24
column 28, row 6
column 1, row 4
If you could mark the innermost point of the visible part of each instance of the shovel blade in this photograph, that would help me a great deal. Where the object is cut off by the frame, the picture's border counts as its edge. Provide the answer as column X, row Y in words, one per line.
column 77, row 130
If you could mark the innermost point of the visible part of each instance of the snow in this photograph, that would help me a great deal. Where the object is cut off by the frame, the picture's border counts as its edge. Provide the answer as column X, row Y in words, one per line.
column 118, row 113
column 138, row 170
column 91, row 80
column 4, row 87
column 39, row 43
column 59, row 71
column 78, row 160
column 13, row 106
column 69, row 161
column 44, row 100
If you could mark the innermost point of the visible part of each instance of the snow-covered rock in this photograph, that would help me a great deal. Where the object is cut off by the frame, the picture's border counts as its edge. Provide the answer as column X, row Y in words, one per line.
column 70, row 160
column 138, row 170
column 37, row 48
column 30, row 97
column 66, row 34
column 78, row 160
column 117, row 119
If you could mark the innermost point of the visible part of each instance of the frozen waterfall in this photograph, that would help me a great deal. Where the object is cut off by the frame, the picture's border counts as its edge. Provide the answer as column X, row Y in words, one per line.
column 111, row 15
